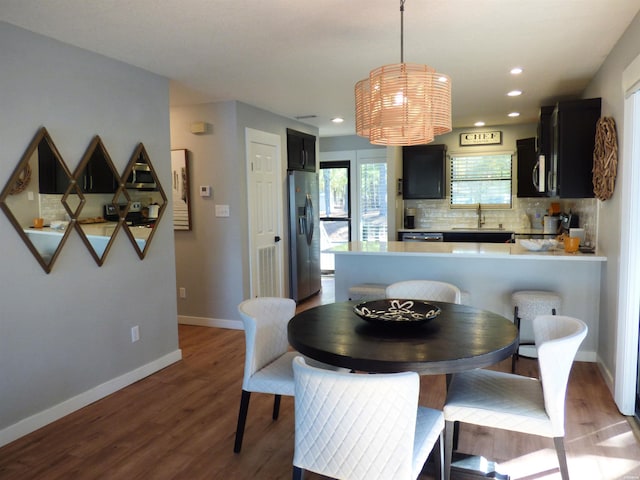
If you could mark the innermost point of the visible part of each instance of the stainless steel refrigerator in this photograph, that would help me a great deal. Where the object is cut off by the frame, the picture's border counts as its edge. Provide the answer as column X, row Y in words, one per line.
column 304, row 235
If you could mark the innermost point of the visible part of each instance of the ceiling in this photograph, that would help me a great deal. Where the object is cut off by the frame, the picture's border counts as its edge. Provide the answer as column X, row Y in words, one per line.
column 298, row 58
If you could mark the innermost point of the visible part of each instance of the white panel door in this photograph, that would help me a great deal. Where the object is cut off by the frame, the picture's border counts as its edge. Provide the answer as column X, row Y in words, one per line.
column 264, row 187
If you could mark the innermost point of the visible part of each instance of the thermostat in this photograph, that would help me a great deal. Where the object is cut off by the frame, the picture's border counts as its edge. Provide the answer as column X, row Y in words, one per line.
column 205, row 190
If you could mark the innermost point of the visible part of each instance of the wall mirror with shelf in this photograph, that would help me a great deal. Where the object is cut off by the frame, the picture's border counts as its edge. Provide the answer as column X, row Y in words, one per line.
column 36, row 190
column 147, row 200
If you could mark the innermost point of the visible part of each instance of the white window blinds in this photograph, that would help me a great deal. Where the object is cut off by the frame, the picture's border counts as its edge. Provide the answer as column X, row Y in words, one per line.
column 484, row 179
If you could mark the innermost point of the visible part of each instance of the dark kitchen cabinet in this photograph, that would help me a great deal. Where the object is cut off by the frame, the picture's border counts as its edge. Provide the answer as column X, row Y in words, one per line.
column 301, row 151
column 423, row 171
column 528, row 167
column 52, row 176
column 572, row 142
column 475, row 236
column 545, row 135
column 98, row 177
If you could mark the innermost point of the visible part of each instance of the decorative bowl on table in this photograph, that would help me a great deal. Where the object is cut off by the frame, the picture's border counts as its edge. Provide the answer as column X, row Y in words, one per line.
column 397, row 311
column 538, row 245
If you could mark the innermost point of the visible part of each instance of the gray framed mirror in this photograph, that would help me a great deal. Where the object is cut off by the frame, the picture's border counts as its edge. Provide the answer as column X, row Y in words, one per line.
column 41, row 199
column 147, row 200
column 99, row 182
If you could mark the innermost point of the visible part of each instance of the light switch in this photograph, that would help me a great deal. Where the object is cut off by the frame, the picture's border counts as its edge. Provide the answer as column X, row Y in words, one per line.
column 222, row 210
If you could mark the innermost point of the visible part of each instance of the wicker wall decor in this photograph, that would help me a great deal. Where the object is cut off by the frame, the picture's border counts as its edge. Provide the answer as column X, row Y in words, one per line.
column 605, row 158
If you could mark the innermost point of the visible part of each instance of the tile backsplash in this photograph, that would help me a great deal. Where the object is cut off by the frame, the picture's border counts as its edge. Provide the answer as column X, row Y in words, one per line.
column 525, row 215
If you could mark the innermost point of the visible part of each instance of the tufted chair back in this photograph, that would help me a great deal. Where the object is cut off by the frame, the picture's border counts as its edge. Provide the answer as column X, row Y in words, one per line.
column 424, row 290
column 557, row 339
column 360, row 426
column 265, row 323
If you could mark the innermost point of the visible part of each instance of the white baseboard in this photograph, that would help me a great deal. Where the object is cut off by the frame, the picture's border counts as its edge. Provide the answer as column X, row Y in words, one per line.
column 40, row 419
column 210, row 322
column 606, row 375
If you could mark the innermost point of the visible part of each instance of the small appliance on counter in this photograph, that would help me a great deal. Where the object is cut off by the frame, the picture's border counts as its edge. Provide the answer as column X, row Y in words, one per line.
column 567, row 221
column 550, row 224
column 410, row 218
column 134, row 217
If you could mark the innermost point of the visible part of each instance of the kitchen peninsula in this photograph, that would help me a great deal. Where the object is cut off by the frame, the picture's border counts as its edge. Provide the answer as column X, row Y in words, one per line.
column 488, row 273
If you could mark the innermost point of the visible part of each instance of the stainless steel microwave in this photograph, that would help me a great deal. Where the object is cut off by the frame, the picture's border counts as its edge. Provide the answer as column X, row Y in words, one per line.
column 141, row 178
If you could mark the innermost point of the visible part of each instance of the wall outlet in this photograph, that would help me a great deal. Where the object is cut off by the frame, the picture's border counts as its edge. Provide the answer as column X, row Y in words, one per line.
column 183, row 292
column 135, row 334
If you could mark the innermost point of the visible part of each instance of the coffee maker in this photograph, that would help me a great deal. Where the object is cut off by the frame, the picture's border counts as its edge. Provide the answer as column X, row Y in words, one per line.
column 568, row 220
column 410, row 218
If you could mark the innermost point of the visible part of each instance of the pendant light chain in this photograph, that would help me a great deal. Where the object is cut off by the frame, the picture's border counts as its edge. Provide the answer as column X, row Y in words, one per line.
column 402, row 31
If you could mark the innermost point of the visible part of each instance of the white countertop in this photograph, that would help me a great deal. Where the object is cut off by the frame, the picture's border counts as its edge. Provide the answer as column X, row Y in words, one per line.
column 460, row 250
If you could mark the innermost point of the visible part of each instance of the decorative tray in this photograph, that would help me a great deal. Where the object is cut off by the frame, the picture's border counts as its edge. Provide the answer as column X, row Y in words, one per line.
column 538, row 245
column 397, row 311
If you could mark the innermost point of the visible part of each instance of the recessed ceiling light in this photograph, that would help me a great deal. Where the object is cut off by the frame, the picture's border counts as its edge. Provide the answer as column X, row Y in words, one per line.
column 516, row 71
column 515, row 93
column 337, row 120
column 479, row 124
column 514, row 114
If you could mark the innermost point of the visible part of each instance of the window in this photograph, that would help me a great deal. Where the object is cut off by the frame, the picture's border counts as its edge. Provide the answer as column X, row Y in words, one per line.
column 373, row 200
column 484, row 179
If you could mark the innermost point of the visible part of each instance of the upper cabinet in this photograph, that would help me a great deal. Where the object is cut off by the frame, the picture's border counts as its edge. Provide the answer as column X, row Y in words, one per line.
column 301, row 151
column 423, row 171
column 96, row 173
column 53, row 175
column 573, row 130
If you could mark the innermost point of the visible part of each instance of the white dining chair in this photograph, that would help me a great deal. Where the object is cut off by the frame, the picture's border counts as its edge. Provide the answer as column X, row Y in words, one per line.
column 425, row 290
column 267, row 365
column 362, row 426
column 513, row 402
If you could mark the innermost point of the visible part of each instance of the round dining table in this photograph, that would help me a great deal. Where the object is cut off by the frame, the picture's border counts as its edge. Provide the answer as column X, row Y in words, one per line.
column 459, row 338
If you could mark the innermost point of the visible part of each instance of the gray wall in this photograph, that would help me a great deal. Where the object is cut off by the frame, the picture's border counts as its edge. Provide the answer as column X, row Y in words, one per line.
column 608, row 85
column 65, row 333
column 212, row 260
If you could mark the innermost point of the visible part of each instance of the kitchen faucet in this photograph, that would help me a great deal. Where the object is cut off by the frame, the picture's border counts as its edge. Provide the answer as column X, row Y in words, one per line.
column 480, row 218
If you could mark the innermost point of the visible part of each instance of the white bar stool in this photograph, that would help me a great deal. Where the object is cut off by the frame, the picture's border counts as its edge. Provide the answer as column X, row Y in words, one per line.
column 367, row 291
column 527, row 305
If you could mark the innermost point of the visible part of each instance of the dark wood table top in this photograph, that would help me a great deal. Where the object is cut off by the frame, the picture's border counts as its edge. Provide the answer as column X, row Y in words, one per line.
column 460, row 338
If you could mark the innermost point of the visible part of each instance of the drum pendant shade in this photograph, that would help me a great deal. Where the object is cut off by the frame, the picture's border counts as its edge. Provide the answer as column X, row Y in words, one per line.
column 403, row 104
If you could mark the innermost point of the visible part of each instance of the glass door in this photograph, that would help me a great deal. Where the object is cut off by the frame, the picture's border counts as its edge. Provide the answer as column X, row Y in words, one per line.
column 335, row 209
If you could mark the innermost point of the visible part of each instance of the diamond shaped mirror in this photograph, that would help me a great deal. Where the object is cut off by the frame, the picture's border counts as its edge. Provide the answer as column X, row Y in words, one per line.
column 97, row 179
column 147, row 200
column 32, row 199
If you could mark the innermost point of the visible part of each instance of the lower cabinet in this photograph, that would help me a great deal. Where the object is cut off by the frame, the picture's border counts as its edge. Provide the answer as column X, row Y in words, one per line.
column 480, row 237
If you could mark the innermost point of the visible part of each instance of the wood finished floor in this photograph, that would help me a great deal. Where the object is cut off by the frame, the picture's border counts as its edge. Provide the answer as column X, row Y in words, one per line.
column 180, row 423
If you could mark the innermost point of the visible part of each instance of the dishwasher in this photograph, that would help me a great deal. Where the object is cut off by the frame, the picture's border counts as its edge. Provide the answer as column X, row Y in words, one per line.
column 422, row 237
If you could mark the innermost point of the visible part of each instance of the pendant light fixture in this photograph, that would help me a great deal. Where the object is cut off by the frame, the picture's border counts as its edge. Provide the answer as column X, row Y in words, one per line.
column 403, row 103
